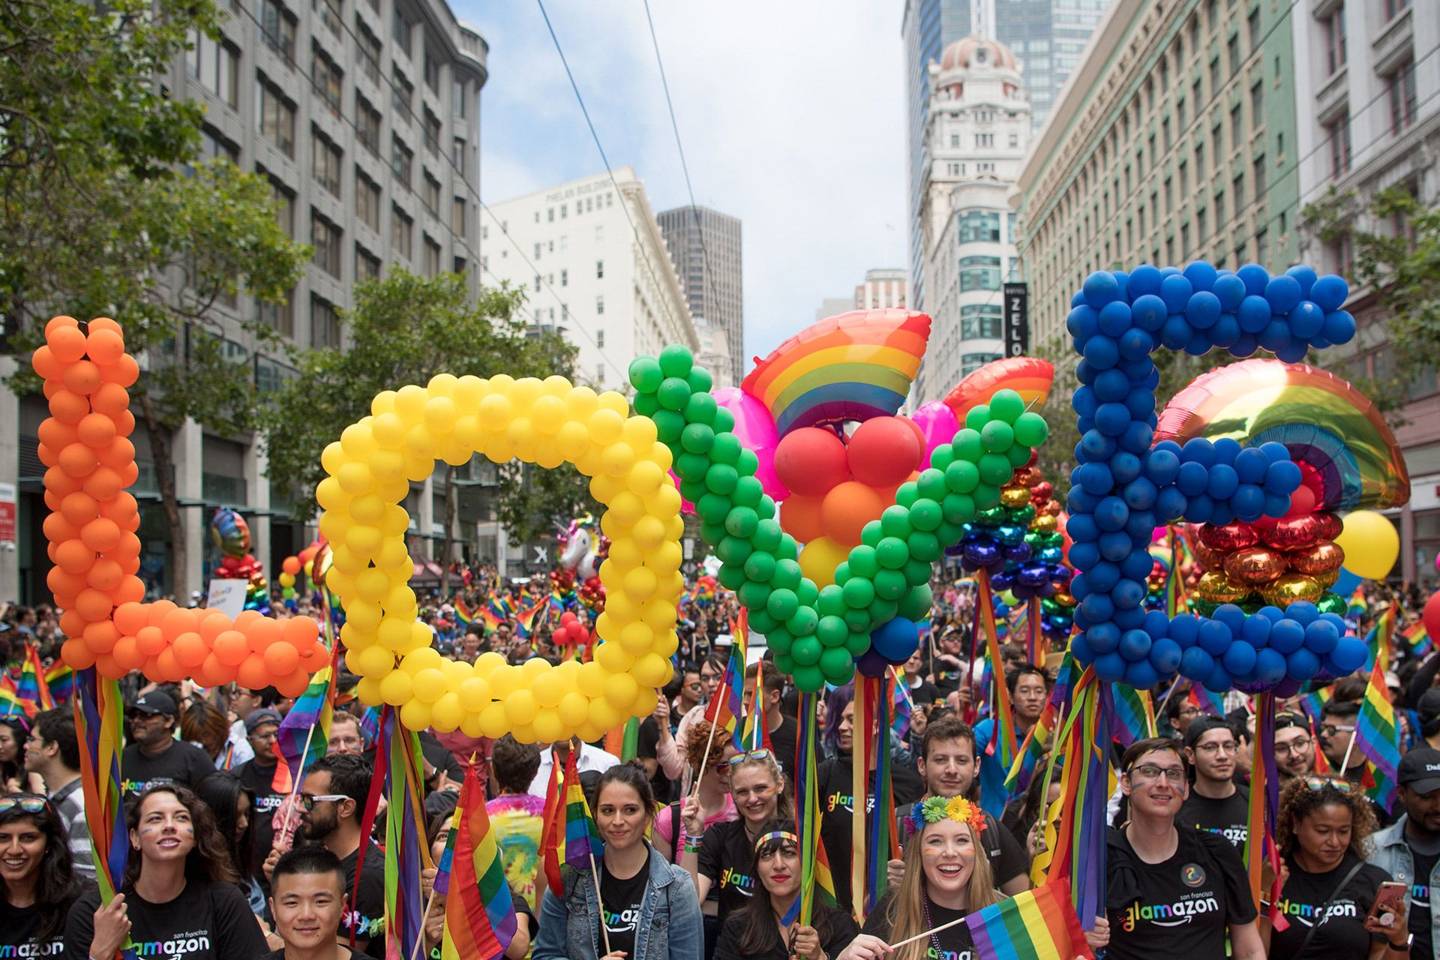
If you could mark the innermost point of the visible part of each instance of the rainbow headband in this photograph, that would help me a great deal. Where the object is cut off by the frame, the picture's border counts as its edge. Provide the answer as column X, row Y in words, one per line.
column 934, row 809
column 783, row 835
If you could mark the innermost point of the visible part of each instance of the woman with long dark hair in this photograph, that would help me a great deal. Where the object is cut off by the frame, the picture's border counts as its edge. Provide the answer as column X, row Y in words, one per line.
column 12, row 757
column 234, row 809
column 35, row 871
column 180, row 894
column 762, row 928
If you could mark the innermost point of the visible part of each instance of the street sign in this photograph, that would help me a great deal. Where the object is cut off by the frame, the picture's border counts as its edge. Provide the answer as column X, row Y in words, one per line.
column 1017, row 319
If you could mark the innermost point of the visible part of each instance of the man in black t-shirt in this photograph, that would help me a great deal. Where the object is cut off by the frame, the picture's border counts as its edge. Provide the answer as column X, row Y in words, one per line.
column 1215, row 804
column 1409, row 849
column 153, row 755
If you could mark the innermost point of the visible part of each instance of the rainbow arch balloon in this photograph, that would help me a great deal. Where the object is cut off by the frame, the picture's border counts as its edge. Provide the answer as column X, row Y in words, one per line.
column 1321, row 418
column 853, row 366
column 1030, row 377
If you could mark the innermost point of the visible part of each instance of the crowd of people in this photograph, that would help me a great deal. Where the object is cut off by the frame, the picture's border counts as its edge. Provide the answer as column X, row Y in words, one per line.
column 701, row 855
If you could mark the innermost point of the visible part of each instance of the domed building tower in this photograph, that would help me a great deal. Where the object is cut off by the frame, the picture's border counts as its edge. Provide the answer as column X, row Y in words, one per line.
column 976, row 136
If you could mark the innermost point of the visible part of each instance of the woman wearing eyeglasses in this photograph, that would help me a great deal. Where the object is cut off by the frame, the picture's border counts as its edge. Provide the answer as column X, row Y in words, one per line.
column 764, row 929
column 719, row 857
column 639, row 907
column 1173, row 892
column 1323, row 827
column 40, row 885
column 709, row 750
column 179, row 896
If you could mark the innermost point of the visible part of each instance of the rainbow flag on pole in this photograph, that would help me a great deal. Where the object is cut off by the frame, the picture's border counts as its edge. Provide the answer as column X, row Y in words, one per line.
column 99, row 711
column 304, row 734
column 582, row 841
column 1377, row 736
column 12, row 703
column 728, row 703
column 61, row 680
column 32, row 686
column 1417, row 640
column 1038, row 924
column 479, row 914
column 406, row 852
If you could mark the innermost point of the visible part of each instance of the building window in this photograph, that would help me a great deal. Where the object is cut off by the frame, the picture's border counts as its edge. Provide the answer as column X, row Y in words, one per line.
column 432, row 132
column 1258, row 177
column 215, row 66
column 457, row 156
column 1199, row 161
column 1333, row 27
column 1237, row 131
column 401, row 92
column 327, row 79
column 275, row 116
column 1214, row 76
column 600, row 339
column 1217, row 146
column 1262, row 246
column 367, row 200
column 325, row 162
column 401, row 161
column 599, row 269
column 984, row 140
column 431, row 194
column 978, row 226
column 1400, row 90
column 400, row 30
column 330, row 14
column 277, row 27
column 325, row 238
column 980, row 321
column 369, row 45
column 367, row 265
column 324, row 324
column 1393, row 8
column 367, row 125
column 1232, row 50
column 979, row 273
column 457, row 99
column 1184, row 170
column 1238, row 189
column 1338, row 133
column 432, row 257
column 1014, row 141
column 564, row 278
column 401, row 233
column 600, row 305
column 1201, row 234
column 1252, row 24
column 284, row 202
column 1185, row 241
column 457, row 216
column 279, row 317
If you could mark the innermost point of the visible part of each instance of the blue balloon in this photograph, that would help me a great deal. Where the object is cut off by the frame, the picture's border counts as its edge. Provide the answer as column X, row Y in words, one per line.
column 1250, row 465
column 1321, row 638
column 1230, row 615
column 1282, row 477
column 1141, row 675
column 1255, row 278
column 1201, row 275
column 1157, row 624
column 1136, row 344
column 1248, row 502
column 1145, row 279
column 1198, row 450
column 1349, row 655
column 1101, row 352
column 1301, row 665
column 1287, row 636
column 1270, row 667
column 1176, row 291
column 1346, row 583
column 1165, row 656
column 1082, row 322
column 1219, row 680
column 1115, row 318
column 1226, row 331
column 1080, row 648
column 1256, row 631
column 1306, row 320
column 1215, row 637
column 1253, row 315
column 1283, row 293
column 1302, row 612
column 1196, row 664
column 895, row 639
column 1339, row 327
column 1100, row 288
column 1223, row 482
column 1103, row 638
column 1135, row 645
column 1185, row 629
column 1329, row 292
column 1239, row 659
column 1303, row 275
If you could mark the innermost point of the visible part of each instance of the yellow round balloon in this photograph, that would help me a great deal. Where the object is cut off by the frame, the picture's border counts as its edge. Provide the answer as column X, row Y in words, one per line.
column 1371, row 544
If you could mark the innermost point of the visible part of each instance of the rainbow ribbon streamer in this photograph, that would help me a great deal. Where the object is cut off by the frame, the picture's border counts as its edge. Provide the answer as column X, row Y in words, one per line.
column 1378, row 737
column 406, row 852
column 1134, row 714
column 726, row 707
column 99, row 712
column 1084, row 793
column 1037, row 741
column 883, row 842
column 1260, row 846
column 815, row 875
column 1003, row 745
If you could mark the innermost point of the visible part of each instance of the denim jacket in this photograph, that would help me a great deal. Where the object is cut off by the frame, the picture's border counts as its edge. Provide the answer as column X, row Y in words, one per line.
column 1391, row 853
column 669, row 927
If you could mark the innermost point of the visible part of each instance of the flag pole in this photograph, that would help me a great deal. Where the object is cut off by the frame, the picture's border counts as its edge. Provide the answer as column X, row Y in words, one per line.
column 921, row 936
column 599, row 901
column 435, row 886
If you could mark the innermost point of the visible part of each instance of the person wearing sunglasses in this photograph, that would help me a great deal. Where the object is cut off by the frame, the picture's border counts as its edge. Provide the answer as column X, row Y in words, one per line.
column 1409, row 849
column 36, row 872
column 763, row 928
column 1216, row 803
column 719, row 857
column 1337, row 729
column 708, row 750
column 1323, row 827
column 1172, row 891
column 179, row 888
column 1294, row 747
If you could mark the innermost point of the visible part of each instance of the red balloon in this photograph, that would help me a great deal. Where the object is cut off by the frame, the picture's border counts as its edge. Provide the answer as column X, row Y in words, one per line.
column 1302, row 502
column 1431, row 616
column 811, row 460
column 1228, row 538
column 884, row 451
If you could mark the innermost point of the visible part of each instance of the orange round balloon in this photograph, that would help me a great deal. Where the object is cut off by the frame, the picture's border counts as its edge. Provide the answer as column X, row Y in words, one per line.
column 68, row 407
column 847, row 508
column 291, row 565
column 252, row 674
column 81, row 377
column 76, row 654
column 231, row 647
column 127, row 653
column 101, row 637
column 105, row 347
column 77, row 460
column 800, row 517
column 110, row 399
column 150, row 641
column 74, row 556
column 93, row 605
column 101, row 535
column 67, row 343
column 281, row 658
column 190, row 649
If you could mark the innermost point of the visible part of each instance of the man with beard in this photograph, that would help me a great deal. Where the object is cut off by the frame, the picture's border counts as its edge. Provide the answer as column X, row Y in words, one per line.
column 1294, row 747
column 1409, row 849
column 1215, row 804
column 153, row 755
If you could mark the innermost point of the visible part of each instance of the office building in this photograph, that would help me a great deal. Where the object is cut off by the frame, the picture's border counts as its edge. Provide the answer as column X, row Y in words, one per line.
column 882, row 289
column 1368, row 108
column 714, row 354
column 706, row 247
column 364, row 117
column 1174, row 140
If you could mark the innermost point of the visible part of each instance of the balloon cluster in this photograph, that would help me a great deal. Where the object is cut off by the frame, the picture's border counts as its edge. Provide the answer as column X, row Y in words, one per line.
column 295, row 566
column 1275, row 562
column 571, row 634
column 817, row 634
column 544, row 422
column 1017, row 542
column 1122, row 489
column 231, row 536
column 837, row 486
column 85, row 445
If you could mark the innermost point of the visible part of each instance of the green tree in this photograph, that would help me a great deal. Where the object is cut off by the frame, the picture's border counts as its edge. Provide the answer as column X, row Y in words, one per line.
column 108, row 211
column 407, row 329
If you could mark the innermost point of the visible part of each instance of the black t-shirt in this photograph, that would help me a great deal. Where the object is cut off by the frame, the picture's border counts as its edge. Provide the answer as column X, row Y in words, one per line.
column 20, row 926
column 1228, row 818
column 835, row 928
column 834, row 783
column 1418, row 913
column 954, row 942
column 207, row 921
column 1180, row 908
column 1340, row 933
column 366, row 915
column 1007, row 857
column 725, row 857
column 258, row 779
column 182, row 763
column 621, row 901
column 782, row 741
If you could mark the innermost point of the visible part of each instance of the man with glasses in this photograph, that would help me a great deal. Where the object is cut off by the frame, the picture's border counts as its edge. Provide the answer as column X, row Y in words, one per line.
column 1216, row 804
column 1180, row 712
column 153, row 755
column 257, row 775
column 1409, row 849
column 1172, row 891
column 1337, row 733
column 1294, row 747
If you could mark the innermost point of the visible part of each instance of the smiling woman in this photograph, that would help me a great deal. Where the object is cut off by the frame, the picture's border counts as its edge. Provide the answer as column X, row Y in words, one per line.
column 36, row 874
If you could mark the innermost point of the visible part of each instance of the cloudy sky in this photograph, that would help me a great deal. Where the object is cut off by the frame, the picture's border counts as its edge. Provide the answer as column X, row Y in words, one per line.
column 791, row 113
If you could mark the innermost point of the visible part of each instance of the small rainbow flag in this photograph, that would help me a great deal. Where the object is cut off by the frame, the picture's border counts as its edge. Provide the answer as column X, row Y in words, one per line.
column 728, row 703
column 479, row 914
column 32, row 685
column 1206, row 701
column 1314, row 703
column 1379, row 638
column 495, row 612
column 1038, row 924
column 1037, row 741
column 1377, row 736
column 552, row 840
column 1357, row 606
column 12, row 703
column 304, row 734
column 1417, row 640
column 525, row 619
column 463, row 613
column 757, row 733
column 61, row 680
column 1134, row 717
column 582, row 841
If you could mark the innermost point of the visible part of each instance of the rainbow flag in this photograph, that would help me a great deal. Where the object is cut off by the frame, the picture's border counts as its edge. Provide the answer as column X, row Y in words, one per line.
column 624, row 741
column 496, row 611
column 757, row 733
column 1377, row 736
column 1205, row 700
column 582, row 841
column 1134, row 717
column 1314, row 703
column 370, row 726
column 1417, row 640
column 33, row 685
column 904, row 706
column 406, row 852
column 815, row 874
column 479, row 914
column 525, row 619
column 552, row 839
column 12, row 703
column 1038, row 924
column 728, row 703
column 60, row 678
column 1379, row 639
column 1357, row 607
column 99, row 711
column 463, row 613
column 304, row 734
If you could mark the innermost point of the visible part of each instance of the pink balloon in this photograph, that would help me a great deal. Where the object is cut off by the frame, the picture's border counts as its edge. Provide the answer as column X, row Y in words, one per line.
column 938, row 425
column 755, row 428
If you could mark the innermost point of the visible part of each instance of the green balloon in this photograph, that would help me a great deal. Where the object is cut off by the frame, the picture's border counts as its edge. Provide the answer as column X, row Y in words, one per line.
column 721, row 479
column 832, row 631
column 924, row 546
column 734, row 550
column 693, row 490
column 700, row 380
column 926, row 515
column 906, row 493
column 712, row 533
column 1006, row 405
column 962, row 476
column 1031, row 429
column 782, row 604
column 697, row 438
column 748, row 463
column 931, row 485
column 784, row 635
column 892, row 554
column 831, row 602
column 986, row 496
column 726, row 448
column 740, row 522
column 713, row 508
column 949, row 533
column 785, row 663
column 1331, row 603
column 1019, row 455
column 762, row 622
column 967, row 445
column 700, row 408
column 916, row 603
column 731, row 576
column 958, row 508
column 669, row 427
column 998, row 436
column 917, row 572
column 1021, row 516
column 858, row 621
column 674, row 393
column 863, row 560
column 753, row 595
column 767, row 535
column 676, row 360
column 995, row 469
column 806, row 651
column 871, row 533
column 645, row 374
column 748, row 492
column 977, row 417
column 786, row 641
column 837, row 665
column 842, row 573
column 890, row 585
column 692, row 466
column 766, row 506
column 859, row 593
column 646, row 404
column 803, row 623
column 880, row 611
column 807, row 678
column 724, row 421
column 760, row 567
column 857, row 642
column 942, row 457
column 895, row 521
column 787, row 574
column 789, row 550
